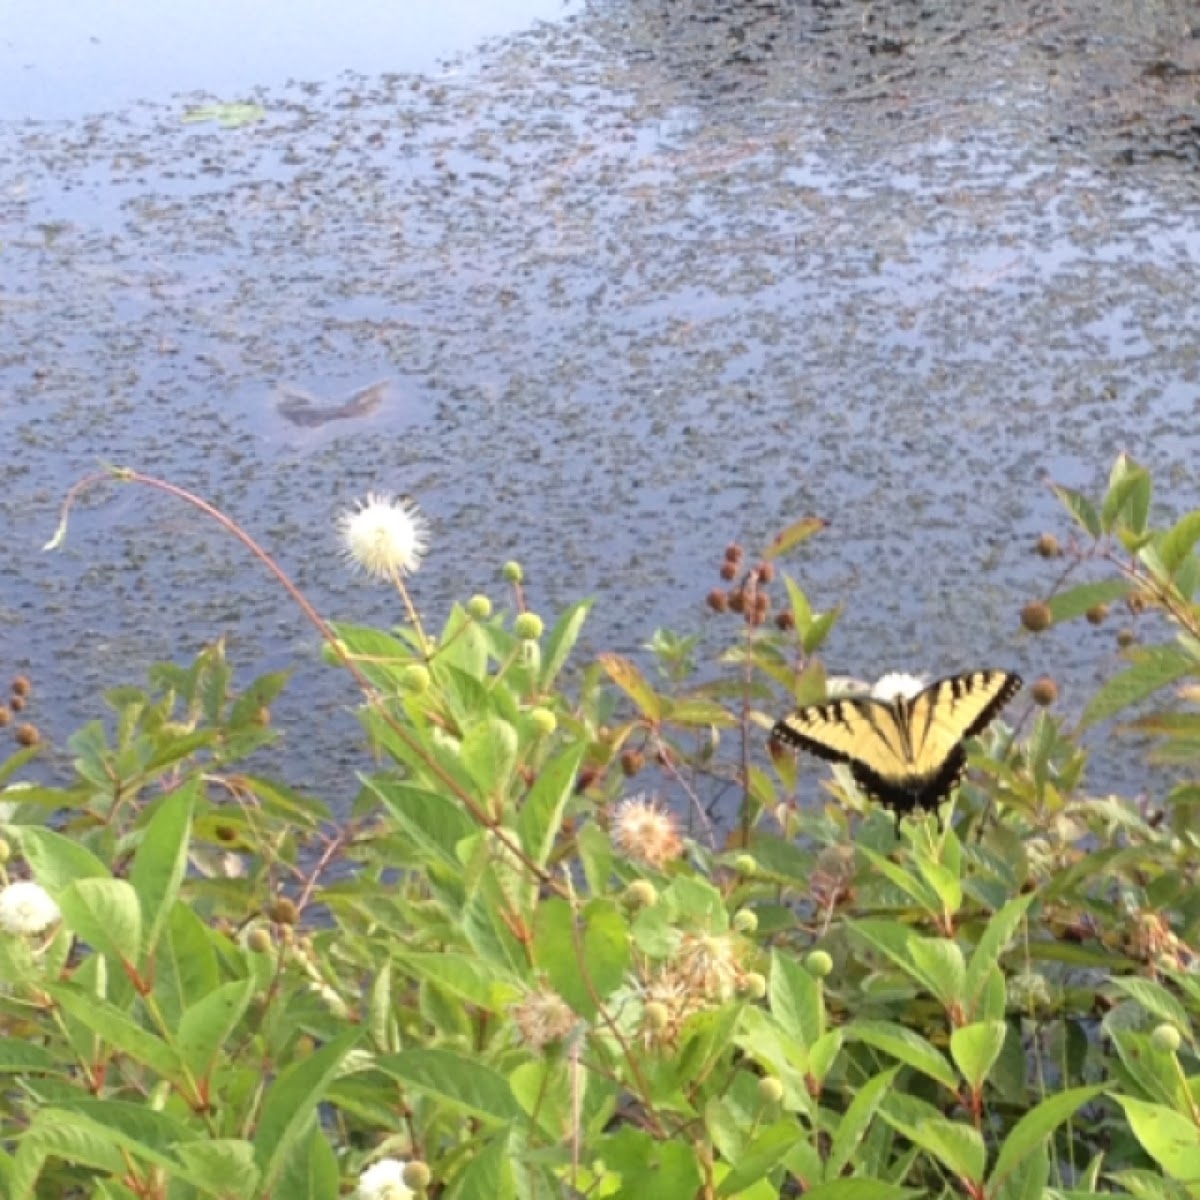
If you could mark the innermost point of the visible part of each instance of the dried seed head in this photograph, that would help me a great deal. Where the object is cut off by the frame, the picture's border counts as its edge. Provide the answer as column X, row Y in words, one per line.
column 766, row 571
column 728, row 571
column 283, row 911
column 1126, row 637
column 28, row 735
column 1047, row 546
column 5, row 715
column 733, row 553
column 785, row 620
column 543, row 1018
column 17, row 704
column 21, row 685
column 1044, row 691
column 632, row 762
column 717, row 600
column 1096, row 614
column 1036, row 616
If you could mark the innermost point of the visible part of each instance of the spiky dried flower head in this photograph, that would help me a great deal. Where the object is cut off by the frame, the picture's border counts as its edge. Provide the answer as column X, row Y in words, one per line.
column 26, row 908
column 543, row 1018
column 385, row 536
column 644, row 831
column 384, row 1180
column 709, row 965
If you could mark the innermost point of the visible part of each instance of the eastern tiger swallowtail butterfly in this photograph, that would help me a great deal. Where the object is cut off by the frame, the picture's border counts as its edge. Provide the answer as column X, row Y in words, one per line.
column 907, row 753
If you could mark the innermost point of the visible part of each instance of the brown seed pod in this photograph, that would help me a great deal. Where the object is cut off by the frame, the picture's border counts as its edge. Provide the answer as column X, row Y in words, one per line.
column 632, row 762
column 1096, row 614
column 1036, row 616
column 785, row 620
column 717, row 600
column 1047, row 546
column 728, row 571
column 733, row 553
column 21, row 685
column 28, row 735
column 1044, row 691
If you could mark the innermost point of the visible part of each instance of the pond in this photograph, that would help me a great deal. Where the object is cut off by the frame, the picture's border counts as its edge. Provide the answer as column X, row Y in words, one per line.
column 636, row 281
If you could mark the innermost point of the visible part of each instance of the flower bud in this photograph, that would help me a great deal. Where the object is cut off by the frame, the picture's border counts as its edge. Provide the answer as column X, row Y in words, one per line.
column 770, row 1090
column 528, row 626
column 641, row 893
column 415, row 678
column 417, row 1175
column 745, row 920
column 513, row 572
column 1166, row 1038
column 543, row 720
column 479, row 607
column 819, row 964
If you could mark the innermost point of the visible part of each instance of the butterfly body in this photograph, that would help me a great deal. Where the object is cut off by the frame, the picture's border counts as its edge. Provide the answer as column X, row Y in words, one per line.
column 907, row 752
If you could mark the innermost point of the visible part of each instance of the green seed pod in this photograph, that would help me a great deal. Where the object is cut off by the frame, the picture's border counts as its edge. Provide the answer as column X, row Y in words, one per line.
column 819, row 964
column 528, row 626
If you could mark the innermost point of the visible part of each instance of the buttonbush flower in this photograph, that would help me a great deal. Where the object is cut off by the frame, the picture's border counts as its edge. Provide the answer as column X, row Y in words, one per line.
column 645, row 832
column 27, row 908
column 384, row 1180
column 385, row 537
column 897, row 683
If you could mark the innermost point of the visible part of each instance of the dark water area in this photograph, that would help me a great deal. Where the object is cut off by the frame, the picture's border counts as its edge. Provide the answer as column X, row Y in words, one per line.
column 640, row 280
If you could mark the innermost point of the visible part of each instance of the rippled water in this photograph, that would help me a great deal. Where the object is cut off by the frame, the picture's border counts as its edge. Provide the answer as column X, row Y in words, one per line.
column 645, row 279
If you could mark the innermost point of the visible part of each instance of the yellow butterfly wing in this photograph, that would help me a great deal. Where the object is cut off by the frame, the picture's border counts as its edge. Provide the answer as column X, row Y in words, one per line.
column 907, row 753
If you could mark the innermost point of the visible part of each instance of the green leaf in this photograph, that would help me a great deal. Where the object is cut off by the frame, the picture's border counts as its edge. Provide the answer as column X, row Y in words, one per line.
column 917, row 889
column 106, row 914
column 185, row 968
column 19, row 1057
column 795, row 999
column 117, row 1029
column 223, row 1167
column 1156, row 1000
column 561, row 642
column 468, row 977
column 1076, row 601
column 1179, row 541
column 960, row 1147
column 1128, row 497
column 489, row 752
column 433, row 822
column 56, row 861
column 542, row 813
column 1032, row 1130
column 161, row 861
column 310, row 1171
column 583, row 961
column 939, row 962
column 207, row 1023
column 862, row 1189
column 1170, row 1138
column 905, row 1046
column 1000, row 930
column 760, row 1156
column 1081, row 509
column 854, row 1121
column 489, row 1173
column 1155, row 668
column 975, row 1049
column 461, row 1081
column 291, row 1103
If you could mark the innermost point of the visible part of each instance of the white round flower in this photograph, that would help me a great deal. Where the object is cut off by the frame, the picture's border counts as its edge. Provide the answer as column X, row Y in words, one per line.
column 384, row 1180
column 897, row 683
column 26, row 907
column 385, row 537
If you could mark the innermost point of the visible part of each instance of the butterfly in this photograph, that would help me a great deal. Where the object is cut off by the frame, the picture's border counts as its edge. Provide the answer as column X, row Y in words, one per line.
column 905, row 752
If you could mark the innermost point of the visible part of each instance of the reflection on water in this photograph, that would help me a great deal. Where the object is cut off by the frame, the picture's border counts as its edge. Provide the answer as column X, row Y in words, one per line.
column 111, row 53
column 654, row 277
